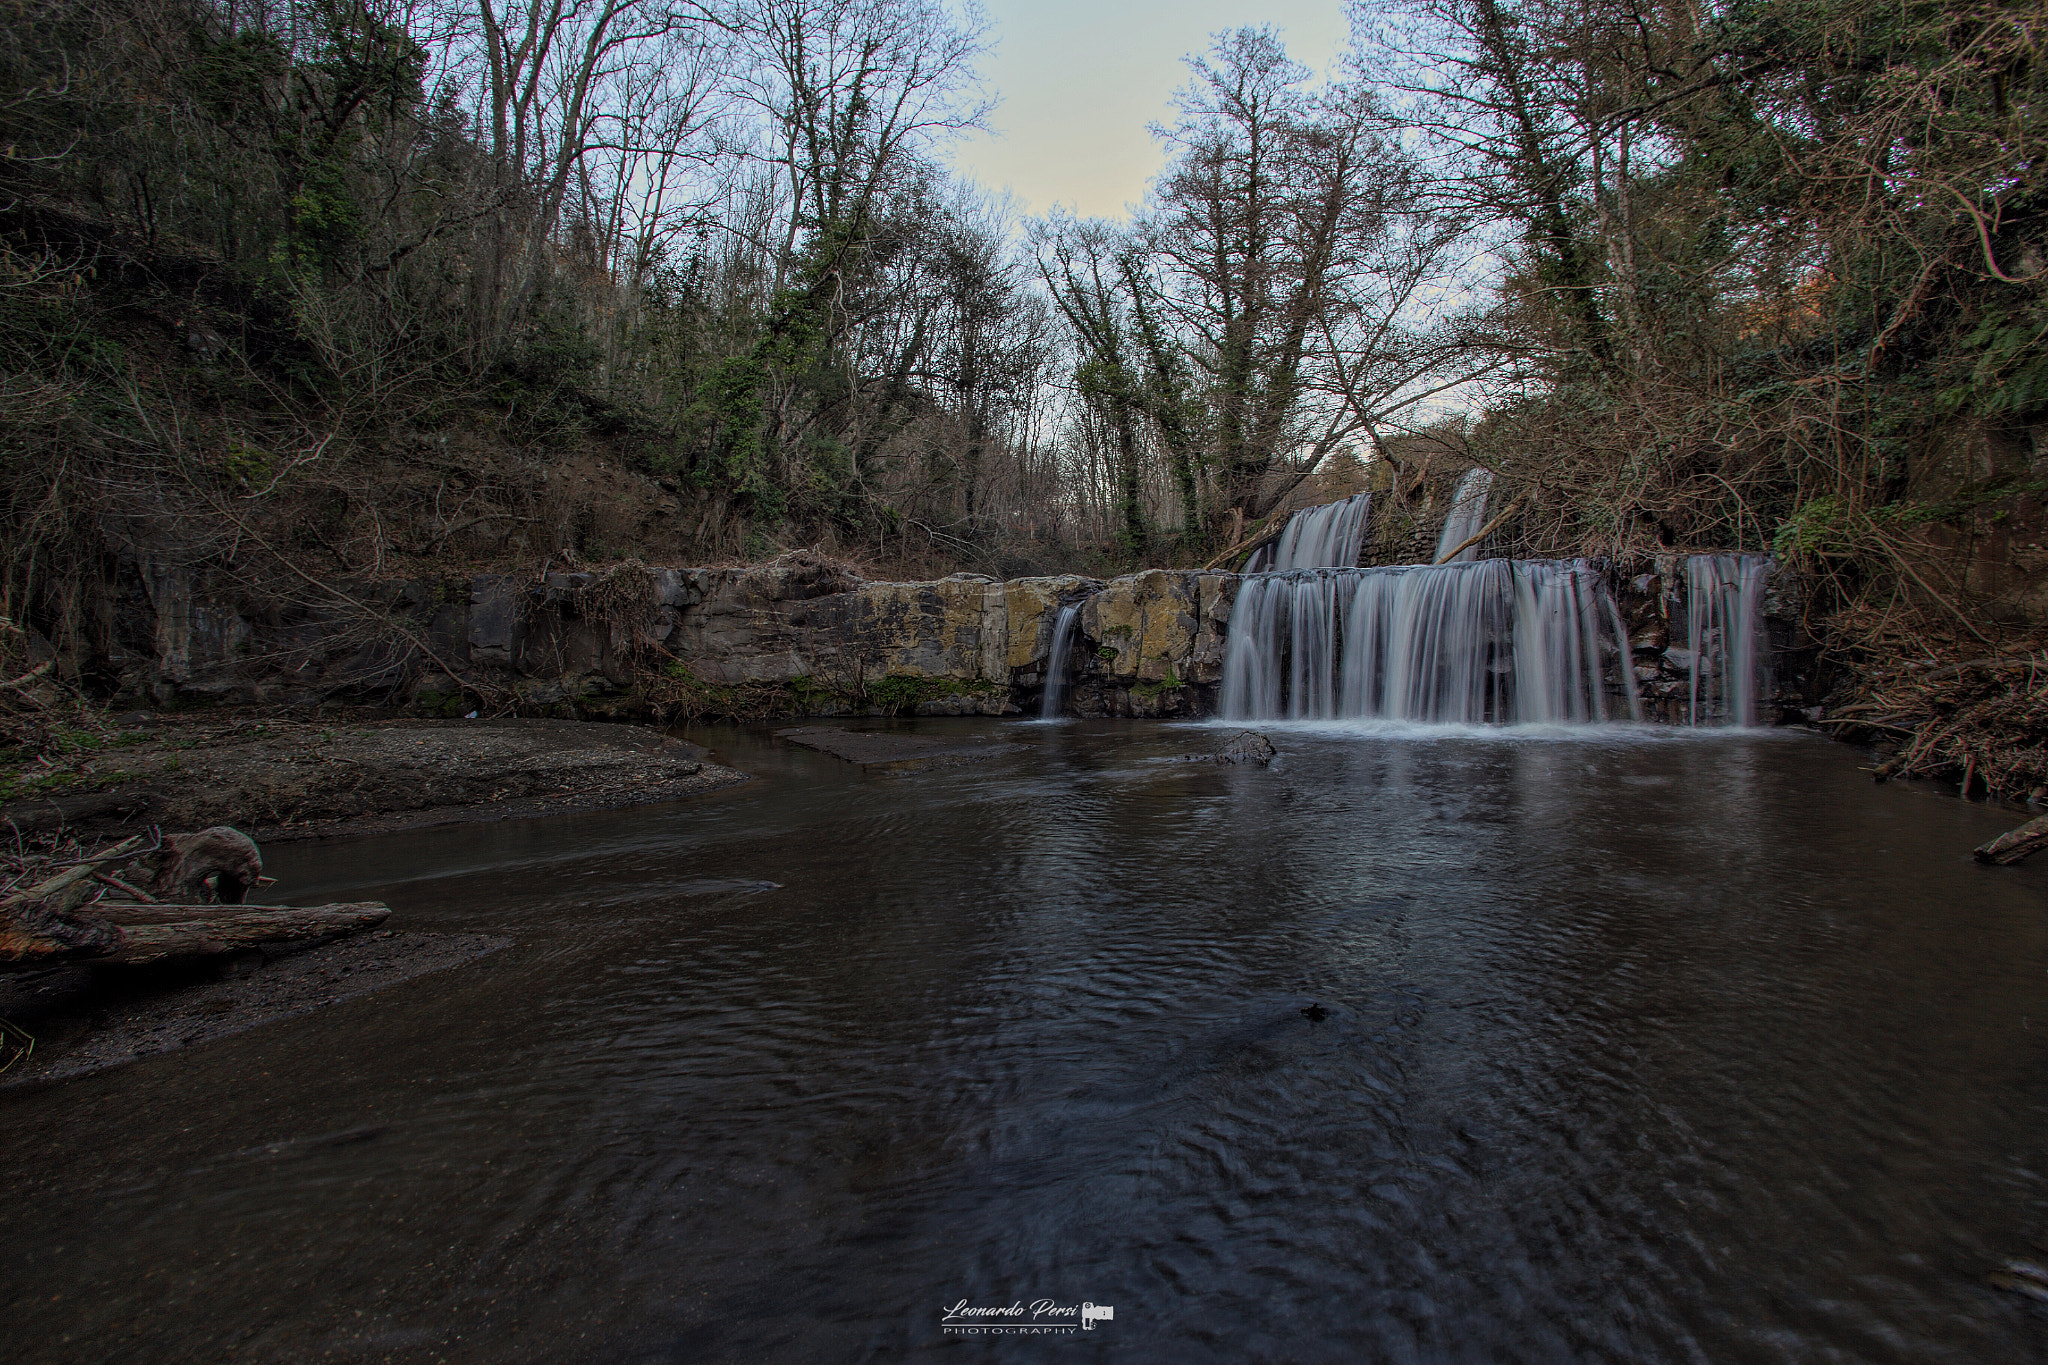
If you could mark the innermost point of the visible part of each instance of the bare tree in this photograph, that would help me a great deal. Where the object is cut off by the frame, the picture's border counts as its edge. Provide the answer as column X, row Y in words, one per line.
column 847, row 89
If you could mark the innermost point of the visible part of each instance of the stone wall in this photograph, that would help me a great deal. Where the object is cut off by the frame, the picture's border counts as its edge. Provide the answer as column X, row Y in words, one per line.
column 800, row 635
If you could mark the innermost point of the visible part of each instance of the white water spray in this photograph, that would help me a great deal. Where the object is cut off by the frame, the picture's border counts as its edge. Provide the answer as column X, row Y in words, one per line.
column 1325, row 537
column 1493, row 640
column 1724, row 630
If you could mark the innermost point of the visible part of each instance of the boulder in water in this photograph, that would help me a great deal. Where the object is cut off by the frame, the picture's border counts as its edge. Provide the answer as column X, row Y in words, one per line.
column 1248, row 747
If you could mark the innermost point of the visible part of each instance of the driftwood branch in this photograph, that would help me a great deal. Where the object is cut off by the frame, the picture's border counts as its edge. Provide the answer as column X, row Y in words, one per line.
column 30, row 676
column 1483, row 532
column 68, row 887
column 1251, row 543
column 108, row 879
column 2015, row 845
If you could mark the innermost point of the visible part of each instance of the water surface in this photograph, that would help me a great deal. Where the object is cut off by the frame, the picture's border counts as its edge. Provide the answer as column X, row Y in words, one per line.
column 1637, row 1047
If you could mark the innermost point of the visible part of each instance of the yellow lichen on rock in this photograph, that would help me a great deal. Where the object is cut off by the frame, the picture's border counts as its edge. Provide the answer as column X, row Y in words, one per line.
column 925, row 630
column 1149, row 620
column 1032, row 607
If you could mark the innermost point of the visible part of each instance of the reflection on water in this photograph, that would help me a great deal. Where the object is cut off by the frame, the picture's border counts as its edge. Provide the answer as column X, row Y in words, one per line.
column 1635, row 1049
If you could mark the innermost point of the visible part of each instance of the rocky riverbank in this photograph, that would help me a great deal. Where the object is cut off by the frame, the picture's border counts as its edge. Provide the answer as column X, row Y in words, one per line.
column 280, row 778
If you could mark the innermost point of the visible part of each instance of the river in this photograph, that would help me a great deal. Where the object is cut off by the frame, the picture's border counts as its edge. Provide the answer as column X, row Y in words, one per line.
column 1416, row 1046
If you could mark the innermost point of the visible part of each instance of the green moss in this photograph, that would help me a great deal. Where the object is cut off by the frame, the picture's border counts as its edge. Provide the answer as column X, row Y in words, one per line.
column 433, row 703
column 1152, row 691
column 901, row 692
column 16, row 785
column 807, row 692
column 690, row 695
column 684, row 693
column 92, row 741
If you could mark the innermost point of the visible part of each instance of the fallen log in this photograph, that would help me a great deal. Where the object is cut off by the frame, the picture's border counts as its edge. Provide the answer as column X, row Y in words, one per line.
column 52, row 921
column 158, row 933
column 36, row 924
column 1483, row 532
column 2014, row 845
column 1252, row 543
column 128, row 933
column 35, row 933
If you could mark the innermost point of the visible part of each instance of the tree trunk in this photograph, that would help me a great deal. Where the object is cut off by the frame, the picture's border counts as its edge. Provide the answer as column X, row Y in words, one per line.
column 1130, row 489
column 33, row 933
column 158, row 933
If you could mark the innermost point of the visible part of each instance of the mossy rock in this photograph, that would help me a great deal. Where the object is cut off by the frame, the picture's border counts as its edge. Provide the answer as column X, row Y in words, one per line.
column 902, row 692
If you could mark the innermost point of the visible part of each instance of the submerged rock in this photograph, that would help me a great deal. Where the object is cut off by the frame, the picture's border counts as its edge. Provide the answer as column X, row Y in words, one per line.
column 1248, row 747
column 892, row 751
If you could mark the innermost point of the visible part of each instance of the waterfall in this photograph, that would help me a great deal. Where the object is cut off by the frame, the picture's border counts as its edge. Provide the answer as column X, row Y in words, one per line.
column 1724, row 630
column 1467, row 515
column 1057, row 662
column 1490, row 640
column 1325, row 537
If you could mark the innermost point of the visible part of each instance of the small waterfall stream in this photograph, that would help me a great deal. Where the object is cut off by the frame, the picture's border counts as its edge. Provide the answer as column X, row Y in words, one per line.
column 1724, row 635
column 1467, row 515
column 1486, row 641
column 1057, row 663
column 1325, row 537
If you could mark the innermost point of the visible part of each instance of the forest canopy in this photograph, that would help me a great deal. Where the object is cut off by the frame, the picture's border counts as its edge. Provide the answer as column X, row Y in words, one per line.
column 333, row 286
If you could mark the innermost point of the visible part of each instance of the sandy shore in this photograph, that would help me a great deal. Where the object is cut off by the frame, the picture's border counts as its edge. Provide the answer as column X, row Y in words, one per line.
column 86, row 1019
column 281, row 779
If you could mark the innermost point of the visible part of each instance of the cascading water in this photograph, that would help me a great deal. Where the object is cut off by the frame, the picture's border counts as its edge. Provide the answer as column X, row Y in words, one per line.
column 1466, row 517
column 1325, row 537
column 1492, row 640
column 1057, row 662
column 1724, row 632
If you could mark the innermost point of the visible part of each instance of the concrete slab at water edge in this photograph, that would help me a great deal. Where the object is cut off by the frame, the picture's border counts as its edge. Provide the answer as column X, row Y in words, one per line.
column 884, row 751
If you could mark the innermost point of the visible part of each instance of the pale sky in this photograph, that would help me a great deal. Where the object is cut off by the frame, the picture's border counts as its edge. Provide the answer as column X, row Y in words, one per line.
column 1081, row 80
